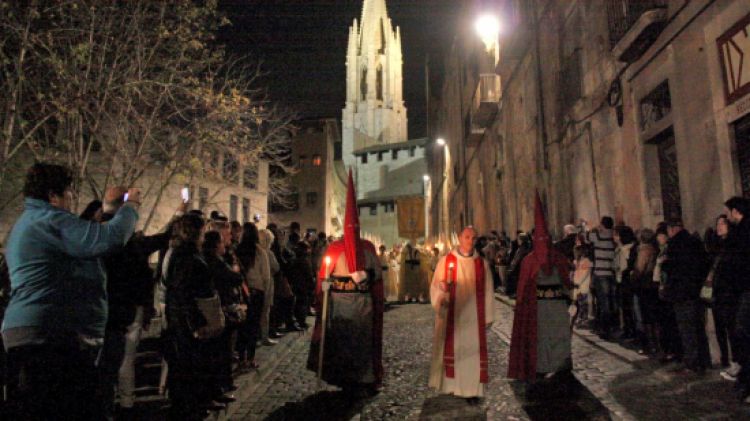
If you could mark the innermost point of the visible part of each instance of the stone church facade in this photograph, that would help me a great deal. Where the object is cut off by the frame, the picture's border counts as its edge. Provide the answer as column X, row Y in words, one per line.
column 388, row 166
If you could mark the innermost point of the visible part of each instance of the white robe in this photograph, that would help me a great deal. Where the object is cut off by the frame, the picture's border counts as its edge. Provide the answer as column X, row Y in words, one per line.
column 466, row 337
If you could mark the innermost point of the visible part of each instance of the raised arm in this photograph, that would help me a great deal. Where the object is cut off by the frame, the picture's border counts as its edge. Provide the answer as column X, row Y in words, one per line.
column 85, row 239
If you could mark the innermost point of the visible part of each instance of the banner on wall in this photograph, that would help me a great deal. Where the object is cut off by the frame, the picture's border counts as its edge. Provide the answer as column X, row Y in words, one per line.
column 410, row 217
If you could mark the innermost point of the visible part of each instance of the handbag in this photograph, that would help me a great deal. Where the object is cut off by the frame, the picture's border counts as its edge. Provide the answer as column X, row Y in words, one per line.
column 211, row 310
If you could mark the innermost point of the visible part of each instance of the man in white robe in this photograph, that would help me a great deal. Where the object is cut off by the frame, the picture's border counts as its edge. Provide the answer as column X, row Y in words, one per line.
column 461, row 293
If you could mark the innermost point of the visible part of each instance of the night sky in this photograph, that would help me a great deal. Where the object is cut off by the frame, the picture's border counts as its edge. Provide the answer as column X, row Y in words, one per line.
column 302, row 46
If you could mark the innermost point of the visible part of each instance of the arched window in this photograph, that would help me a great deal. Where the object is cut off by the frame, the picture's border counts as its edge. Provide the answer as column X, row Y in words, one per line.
column 363, row 84
column 379, row 82
column 381, row 50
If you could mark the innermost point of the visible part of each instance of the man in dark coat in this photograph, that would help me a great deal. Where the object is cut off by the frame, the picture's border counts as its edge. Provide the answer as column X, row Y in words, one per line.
column 737, row 248
column 130, row 295
column 685, row 268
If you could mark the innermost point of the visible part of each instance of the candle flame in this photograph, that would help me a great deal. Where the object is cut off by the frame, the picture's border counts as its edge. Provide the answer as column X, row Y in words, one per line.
column 328, row 260
column 450, row 265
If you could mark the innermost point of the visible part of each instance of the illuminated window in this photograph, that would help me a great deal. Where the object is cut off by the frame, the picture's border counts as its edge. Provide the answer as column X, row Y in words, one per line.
column 316, row 160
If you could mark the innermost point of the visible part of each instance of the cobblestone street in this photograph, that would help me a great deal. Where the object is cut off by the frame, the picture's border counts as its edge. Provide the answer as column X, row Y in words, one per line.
column 610, row 383
column 290, row 392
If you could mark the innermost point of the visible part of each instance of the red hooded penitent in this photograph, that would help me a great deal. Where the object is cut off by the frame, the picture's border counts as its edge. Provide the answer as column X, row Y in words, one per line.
column 523, row 344
column 355, row 251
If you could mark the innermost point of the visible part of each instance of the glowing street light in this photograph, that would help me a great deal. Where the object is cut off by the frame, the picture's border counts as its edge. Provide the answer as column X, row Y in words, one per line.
column 440, row 141
column 488, row 29
column 426, row 177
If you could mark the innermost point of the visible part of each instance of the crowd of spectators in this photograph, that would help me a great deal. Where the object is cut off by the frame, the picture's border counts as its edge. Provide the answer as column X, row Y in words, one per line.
column 653, row 288
column 79, row 292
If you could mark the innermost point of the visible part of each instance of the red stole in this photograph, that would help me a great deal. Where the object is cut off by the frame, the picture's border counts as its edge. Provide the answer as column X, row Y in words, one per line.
column 449, row 356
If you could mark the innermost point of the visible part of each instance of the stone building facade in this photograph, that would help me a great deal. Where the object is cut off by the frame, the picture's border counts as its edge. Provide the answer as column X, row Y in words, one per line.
column 315, row 205
column 636, row 109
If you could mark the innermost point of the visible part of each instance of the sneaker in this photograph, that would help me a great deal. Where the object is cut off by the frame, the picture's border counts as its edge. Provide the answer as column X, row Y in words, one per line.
column 734, row 369
column 726, row 375
column 269, row 342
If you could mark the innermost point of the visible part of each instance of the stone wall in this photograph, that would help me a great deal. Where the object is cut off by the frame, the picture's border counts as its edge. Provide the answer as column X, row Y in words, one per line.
column 571, row 147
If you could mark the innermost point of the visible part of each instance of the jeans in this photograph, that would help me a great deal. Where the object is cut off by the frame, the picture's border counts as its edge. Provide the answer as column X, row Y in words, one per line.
column 117, row 363
column 249, row 332
column 126, row 383
column 725, row 314
column 54, row 381
column 743, row 340
column 691, row 323
column 604, row 287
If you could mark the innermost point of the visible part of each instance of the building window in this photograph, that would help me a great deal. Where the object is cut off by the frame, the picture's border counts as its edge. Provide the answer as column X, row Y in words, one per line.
column 742, row 140
column 394, row 154
column 189, row 196
column 312, row 198
column 245, row 209
column 202, row 198
column 233, row 202
column 250, row 178
column 231, row 168
column 294, row 201
column 412, row 150
column 302, row 159
column 389, row 207
column 572, row 88
column 337, row 152
column 363, row 84
column 316, row 160
column 379, row 83
column 373, row 210
column 655, row 106
column 364, row 158
column 380, row 156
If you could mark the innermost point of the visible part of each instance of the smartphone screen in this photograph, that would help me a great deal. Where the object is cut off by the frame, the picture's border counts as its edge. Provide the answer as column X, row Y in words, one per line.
column 185, row 194
column 126, row 196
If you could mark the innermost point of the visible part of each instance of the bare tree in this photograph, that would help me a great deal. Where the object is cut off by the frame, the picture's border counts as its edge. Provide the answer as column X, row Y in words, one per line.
column 121, row 90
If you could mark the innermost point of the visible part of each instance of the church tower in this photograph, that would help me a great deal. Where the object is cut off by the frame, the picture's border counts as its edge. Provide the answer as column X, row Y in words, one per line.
column 374, row 113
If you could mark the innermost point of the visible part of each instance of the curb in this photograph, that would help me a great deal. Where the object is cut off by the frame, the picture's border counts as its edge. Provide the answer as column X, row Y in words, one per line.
column 611, row 348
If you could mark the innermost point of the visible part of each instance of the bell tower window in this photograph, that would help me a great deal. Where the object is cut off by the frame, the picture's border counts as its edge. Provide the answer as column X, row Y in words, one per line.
column 379, row 82
column 363, row 84
column 381, row 50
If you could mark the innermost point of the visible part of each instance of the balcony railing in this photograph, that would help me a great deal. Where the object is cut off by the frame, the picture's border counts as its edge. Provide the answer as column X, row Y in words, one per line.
column 623, row 14
column 486, row 99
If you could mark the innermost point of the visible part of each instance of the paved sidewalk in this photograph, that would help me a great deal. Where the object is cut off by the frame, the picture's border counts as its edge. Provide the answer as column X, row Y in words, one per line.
column 632, row 386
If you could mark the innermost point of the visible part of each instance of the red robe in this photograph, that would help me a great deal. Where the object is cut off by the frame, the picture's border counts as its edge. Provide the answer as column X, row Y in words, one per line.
column 523, row 357
column 378, row 301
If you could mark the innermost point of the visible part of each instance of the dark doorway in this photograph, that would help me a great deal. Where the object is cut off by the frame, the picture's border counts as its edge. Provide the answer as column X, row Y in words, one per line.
column 742, row 140
column 668, row 174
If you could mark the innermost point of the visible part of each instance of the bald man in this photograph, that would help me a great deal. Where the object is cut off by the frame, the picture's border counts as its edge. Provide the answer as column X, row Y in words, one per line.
column 461, row 293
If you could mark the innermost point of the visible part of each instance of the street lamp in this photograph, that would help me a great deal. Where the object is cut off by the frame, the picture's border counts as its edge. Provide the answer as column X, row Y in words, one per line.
column 488, row 29
column 426, row 177
column 440, row 141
